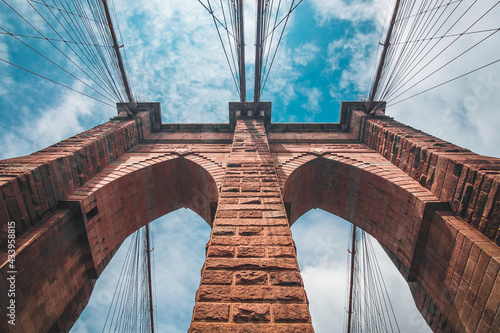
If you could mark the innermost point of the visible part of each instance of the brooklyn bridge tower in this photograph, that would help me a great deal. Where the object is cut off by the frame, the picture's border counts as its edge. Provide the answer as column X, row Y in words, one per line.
column 433, row 206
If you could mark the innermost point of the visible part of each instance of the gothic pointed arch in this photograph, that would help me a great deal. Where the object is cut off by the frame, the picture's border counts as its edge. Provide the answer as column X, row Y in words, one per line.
column 420, row 233
column 87, row 228
column 133, row 192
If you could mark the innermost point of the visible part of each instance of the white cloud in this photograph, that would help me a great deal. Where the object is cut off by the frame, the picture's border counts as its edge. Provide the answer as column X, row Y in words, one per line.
column 358, row 11
column 321, row 281
column 6, row 84
column 178, row 60
column 179, row 240
column 463, row 112
column 358, row 51
column 45, row 127
column 314, row 96
column 322, row 241
column 304, row 54
column 4, row 53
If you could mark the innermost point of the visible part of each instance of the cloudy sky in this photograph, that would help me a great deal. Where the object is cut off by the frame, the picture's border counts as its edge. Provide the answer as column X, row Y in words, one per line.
column 172, row 49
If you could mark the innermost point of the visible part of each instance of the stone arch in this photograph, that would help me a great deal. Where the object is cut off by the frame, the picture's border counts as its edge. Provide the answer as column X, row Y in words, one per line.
column 421, row 235
column 64, row 256
column 391, row 214
column 182, row 232
column 135, row 194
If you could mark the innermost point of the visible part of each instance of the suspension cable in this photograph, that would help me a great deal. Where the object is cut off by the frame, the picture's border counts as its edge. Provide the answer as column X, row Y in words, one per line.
column 86, row 43
column 422, row 38
column 369, row 305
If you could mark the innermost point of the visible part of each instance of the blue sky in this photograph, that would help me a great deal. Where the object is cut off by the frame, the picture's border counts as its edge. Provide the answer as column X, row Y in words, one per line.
column 175, row 58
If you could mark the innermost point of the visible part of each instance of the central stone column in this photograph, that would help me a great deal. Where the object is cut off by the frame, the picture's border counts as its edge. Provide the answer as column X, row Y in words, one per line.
column 251, row 281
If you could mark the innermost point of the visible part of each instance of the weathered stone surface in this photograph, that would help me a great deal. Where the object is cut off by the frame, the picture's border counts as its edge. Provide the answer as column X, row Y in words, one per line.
column 217, row 277
column 251, row 263
column 211, row 312
column 224, row 231
column 252, row 241
column 250, row 231
column 227, row 214
column 249, row 214
column 251, row 251
column 246, row 222
column 281, row 252
column 250, row 201
column 251, row 277
column 285, row 278
column 291, row 313
column 278, row 231
column 221, row 251
column 249, row 328
column 250, row 293
column 255, row 313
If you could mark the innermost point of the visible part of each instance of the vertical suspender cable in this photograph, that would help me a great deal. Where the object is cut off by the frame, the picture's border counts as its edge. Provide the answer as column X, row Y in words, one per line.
column 382, row 57
column 148, row 255
column 258, row 54
column 351, row 282
column 241, row 53
column 116, row 47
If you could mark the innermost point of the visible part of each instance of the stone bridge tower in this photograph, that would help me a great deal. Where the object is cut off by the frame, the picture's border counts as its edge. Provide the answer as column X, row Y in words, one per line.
column 433, row 206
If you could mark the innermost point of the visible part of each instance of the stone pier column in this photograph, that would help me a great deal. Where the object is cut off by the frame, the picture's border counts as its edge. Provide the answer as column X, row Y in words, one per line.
column 251, row 281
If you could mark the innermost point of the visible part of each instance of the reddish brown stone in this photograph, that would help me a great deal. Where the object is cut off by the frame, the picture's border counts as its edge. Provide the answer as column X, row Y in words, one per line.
column 250, row 214
column 250, row 231
column 247, row 251
column 228, row 200
column 286, row 278
column 211, row 312
column 244, row 293
column 272, row 200
column 279, row 231
column 274, row 214
column 239, row 263
column 251, row 263
column 251, row 277
column 226, row 214
column 250, row 187
column 199, row 327
column 217, row 277
column 250, row 201
column 246, row 222
column 224, row 231
column 281, row 252
column 291, row 313
column 230, row 189
column 252, row 241
column 220, row 251
column 251, row 313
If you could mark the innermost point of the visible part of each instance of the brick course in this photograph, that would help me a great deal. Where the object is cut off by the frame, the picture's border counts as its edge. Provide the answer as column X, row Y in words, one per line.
column 249, row 200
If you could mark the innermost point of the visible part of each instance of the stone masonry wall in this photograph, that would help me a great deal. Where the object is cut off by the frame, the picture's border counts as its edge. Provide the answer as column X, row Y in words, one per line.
column 251, row 281
column 31, row 186
column 469, row 182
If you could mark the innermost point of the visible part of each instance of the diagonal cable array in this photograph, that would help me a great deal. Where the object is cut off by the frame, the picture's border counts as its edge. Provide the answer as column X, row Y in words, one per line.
column 130, row 307
column 428, row 45
column 75, row 40
column 371, row 309
column 272, row 19
column 228, row 20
